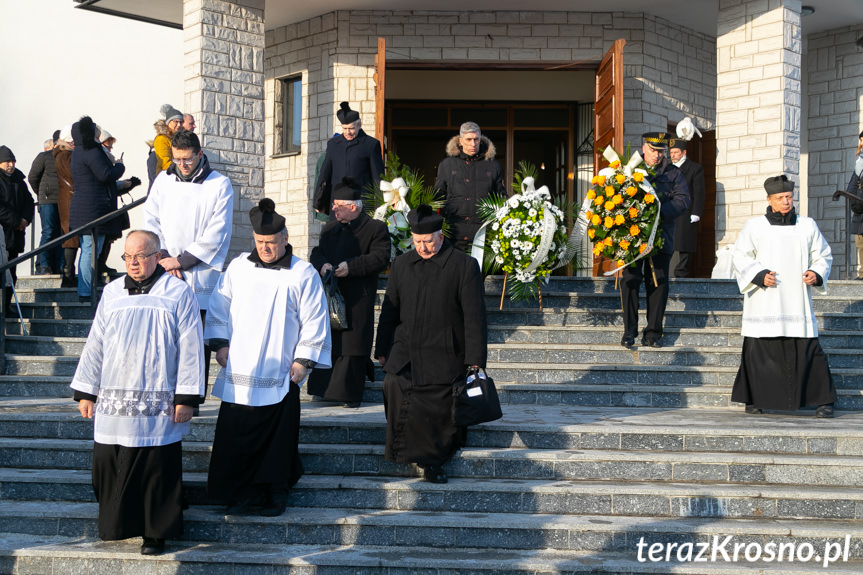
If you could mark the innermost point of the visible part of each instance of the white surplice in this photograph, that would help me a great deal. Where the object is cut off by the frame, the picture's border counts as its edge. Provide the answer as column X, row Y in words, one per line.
column 142, row 351
column 196, row 218
column 270, row 316
column 784, row 310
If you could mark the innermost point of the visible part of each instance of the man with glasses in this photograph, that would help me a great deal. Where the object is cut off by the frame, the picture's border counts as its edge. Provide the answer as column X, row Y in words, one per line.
column 190, row 208
column 355, row 248
column 140, row 375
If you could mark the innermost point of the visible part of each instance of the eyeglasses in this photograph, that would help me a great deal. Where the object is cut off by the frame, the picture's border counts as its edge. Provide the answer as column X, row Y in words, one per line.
column 185, row 162
column 137, row 257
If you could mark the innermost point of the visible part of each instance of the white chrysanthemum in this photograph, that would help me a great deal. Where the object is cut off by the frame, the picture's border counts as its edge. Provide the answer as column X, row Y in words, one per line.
column 513, row 202
column 498, row 259
column 495, row 226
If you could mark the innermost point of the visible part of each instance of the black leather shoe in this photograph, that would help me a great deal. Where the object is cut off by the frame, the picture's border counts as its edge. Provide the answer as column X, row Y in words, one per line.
column 246, row 506
column 825, row 410
column 650, row 342
column 434, row 474
column 627, row 341
column 752, row 410
column 153, row 546
column 274, row 508
column 351, row 404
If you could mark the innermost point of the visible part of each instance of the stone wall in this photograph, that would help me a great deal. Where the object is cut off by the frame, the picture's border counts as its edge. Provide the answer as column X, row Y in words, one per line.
column 224, row 90
column 669, row 72
column 834, row 66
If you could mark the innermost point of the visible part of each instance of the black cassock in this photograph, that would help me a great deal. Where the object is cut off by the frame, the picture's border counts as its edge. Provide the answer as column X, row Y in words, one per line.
column 432, row 326
column 783, row 373
column 365, row 245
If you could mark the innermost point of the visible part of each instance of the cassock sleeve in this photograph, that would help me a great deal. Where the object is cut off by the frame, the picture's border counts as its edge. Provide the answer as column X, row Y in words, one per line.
column 314, row 341
column 389, row 318
column 190, row 346
column 211, row 244
column 745, row 261
column 473, row 307
column 378, row 256
column 820, row 257
column 322, row 202
column 88, row 374
column 219, row 308
column 376, row 163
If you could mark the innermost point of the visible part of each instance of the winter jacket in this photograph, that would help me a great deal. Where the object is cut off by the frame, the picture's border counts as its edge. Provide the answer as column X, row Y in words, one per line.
column 94, row 177
column 464, row 181
column 16, row 204
column 673, row 193
column 43, row 178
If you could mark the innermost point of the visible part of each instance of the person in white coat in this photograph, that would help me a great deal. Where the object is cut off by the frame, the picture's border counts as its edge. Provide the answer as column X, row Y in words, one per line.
column 779, row 258
column 140, row 375
column 269, row 325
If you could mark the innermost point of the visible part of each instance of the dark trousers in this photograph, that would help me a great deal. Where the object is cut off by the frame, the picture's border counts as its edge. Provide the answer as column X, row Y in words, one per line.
column 681, row 261
column 657, row 294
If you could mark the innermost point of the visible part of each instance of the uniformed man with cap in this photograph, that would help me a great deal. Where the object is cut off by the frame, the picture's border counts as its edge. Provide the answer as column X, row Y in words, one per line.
column 354, row 154
column 671, row 190
column 355, row 248
column 686, row 227
column 268, row 324
column 779, row 258
column 432, row 327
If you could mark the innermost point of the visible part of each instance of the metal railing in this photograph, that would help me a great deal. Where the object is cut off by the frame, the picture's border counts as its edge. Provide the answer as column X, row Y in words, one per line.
column 94, row 265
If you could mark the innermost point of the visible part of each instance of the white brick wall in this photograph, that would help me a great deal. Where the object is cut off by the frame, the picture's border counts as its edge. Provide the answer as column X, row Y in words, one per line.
column 835, row 100
column 669, row 72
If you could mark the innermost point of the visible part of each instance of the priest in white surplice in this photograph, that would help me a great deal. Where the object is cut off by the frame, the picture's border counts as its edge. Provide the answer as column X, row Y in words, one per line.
column 778, row 259
column 141, row 373
column 269, row 325
column 190, row 207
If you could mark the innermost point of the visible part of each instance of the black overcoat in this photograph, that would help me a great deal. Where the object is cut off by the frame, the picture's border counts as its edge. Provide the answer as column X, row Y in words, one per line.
column 433, row 316
column 16, row 204
column 670, row 186
column 685, row 232
column 365, row 244
column 463, row 181
column 43, row 178
column 359, row 159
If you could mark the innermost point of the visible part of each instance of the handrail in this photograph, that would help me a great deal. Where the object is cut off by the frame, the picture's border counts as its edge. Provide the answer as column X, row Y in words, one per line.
column 94, row 264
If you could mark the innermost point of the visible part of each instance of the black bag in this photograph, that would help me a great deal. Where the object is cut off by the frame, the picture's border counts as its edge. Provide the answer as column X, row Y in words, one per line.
column 335, row 302
column 474, row 399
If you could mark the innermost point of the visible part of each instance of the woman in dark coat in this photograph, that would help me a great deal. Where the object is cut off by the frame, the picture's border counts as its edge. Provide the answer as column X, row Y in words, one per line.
column 95, row 193
column 62, row 161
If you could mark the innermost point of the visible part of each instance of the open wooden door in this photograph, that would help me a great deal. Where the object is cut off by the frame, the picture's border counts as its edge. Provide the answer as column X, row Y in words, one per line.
column 380, row 90
column 608, row 117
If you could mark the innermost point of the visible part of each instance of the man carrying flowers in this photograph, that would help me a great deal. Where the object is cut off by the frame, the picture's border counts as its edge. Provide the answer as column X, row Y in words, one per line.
column 670, row 188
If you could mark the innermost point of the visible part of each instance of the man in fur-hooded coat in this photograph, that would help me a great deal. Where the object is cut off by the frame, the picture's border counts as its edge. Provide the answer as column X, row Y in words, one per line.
column 468, row 174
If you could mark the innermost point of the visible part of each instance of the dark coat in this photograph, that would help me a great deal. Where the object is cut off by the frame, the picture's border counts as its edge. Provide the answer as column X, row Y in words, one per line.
column 365, row 244
column 433, row 316
column 62, row 163
column 685, row 232
column 16, row 204
column 359, row 159
column 94, row 176
column 463, row 181
column 855, row 187
column 670, row 186
column 43, row 178
column 115, row 227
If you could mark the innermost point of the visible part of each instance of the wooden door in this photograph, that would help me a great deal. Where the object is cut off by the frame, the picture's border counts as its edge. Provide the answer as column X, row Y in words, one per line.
column 380, row 91
column 608, row 118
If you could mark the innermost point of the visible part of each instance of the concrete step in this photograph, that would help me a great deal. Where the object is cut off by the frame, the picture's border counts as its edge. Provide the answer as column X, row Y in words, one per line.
column 444, row 530
column 65, row 555
column 467, row 495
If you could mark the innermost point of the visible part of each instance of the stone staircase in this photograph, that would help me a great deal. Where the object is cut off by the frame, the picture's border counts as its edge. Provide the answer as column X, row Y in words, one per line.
column 601, row 453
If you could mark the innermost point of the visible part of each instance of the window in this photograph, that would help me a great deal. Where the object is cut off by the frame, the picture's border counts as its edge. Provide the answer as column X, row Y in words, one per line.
column 288, row 116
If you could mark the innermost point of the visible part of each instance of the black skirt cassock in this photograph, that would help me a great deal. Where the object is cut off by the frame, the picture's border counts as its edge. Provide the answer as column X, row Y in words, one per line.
column 139, row 490
column 783, row 373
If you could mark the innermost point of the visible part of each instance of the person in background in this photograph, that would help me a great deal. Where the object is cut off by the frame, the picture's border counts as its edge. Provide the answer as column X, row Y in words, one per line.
column 62, row 162
column 140, row 375
column 165, row 130
column 189, row 122
column 779, row 258
column 855, row 188
column 113, row 229
column 686, row 226
column 44, row 181
column 16, row 210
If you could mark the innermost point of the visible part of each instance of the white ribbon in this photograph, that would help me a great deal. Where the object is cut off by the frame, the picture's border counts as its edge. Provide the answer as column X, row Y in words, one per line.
column 644, row 185
column 686, row 129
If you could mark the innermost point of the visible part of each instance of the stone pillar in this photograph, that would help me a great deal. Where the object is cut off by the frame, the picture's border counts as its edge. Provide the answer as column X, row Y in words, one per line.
column 757, row 106
column 224, row 90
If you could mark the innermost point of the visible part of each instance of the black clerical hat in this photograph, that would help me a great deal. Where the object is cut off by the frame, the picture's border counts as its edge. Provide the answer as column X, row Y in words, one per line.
column 778, row 184
column 656, row 140
column 424, row 220
column 265, row 220
column 347, row 189
column 346, row 115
